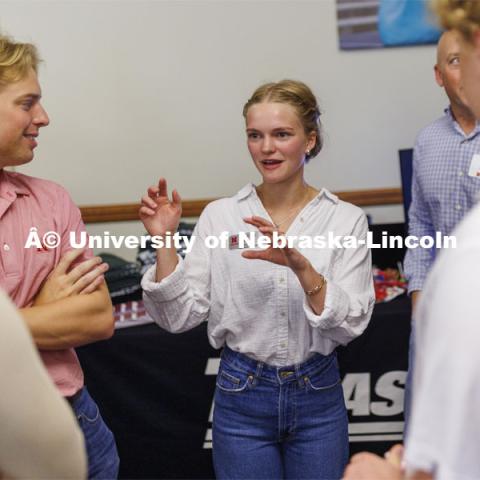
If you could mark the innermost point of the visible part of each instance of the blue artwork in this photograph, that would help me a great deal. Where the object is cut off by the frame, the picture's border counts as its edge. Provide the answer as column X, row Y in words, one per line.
column 385, row 23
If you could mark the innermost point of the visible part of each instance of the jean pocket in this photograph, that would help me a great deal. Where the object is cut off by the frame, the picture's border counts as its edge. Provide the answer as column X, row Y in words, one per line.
column 230, row 380
column 319, row 385
column 90, row 415
column 324, row 378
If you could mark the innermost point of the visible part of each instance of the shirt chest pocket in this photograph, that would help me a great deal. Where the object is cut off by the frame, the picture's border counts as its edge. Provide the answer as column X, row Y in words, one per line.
column 11, row 256
column 12, row 240
column 12, row 268
column 24, row 255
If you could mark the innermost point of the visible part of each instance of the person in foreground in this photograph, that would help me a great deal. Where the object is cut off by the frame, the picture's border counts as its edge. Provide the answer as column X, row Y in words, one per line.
column 444, row 431
column 60, row 292
column 278, row 313
column 40, row 437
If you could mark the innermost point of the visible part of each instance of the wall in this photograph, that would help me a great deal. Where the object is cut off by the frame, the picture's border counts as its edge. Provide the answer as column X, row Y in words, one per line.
column 141, row 89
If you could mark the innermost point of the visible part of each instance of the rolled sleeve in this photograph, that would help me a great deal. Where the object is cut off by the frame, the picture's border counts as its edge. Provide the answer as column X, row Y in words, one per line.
column 181, row 301
column 417, row 280
column 350, row 295
column 167, row 289
column 335, row 310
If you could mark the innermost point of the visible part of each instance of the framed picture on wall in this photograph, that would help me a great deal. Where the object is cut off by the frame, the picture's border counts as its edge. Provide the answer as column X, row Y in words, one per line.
column 385, row 23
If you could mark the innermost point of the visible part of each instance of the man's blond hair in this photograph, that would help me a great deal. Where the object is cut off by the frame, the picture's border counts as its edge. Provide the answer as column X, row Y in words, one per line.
column 461, row 15
column 16, row 60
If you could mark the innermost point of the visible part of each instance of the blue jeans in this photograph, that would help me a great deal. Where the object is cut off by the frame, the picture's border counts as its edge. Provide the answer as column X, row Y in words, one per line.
column 103, row 461
column 279, row 422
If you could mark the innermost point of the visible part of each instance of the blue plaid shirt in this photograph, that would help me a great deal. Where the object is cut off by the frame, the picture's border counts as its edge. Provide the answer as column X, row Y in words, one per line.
column 442, row 190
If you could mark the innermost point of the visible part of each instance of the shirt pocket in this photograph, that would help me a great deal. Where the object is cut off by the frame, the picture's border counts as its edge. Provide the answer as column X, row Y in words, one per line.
column 27, row 265
column 325, row 377
column 233, row 380
column 11, row 256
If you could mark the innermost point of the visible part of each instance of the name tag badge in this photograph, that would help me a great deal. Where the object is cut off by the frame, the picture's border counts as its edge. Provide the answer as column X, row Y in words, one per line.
column 474, row 170
column 233, row 242
column 245, row 240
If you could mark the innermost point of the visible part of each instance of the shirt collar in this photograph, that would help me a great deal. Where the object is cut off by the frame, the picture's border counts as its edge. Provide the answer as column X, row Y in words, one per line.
column 249, row 189
column 246, row 191
column 448, row 112
column 10, row 186
column 456, row 126
column 328, row 194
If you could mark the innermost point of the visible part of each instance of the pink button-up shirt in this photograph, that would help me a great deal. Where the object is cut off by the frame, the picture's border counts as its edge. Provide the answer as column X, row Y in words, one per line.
column 25, row 203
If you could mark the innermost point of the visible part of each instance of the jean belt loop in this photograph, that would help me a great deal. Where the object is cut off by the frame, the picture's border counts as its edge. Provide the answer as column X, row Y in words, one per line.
column 258, row 372
column 298, row 374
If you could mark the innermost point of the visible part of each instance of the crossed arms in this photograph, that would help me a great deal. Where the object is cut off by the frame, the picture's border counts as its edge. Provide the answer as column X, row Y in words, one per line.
column 73, row 306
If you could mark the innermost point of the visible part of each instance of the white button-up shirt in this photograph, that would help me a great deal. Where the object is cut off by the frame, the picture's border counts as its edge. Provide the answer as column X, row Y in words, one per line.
column 257, row 307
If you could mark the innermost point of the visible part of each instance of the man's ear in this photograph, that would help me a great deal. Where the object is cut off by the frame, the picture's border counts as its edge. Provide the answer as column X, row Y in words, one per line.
column 438, row 75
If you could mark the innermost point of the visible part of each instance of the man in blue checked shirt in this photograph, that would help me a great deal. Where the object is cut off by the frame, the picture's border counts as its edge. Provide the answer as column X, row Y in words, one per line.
column 445, row 186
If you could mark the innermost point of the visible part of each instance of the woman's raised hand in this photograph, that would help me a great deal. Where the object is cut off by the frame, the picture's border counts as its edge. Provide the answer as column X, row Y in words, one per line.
column 159, row 214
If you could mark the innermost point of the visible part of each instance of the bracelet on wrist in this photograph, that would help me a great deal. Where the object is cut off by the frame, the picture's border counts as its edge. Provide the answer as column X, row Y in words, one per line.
column 317, row 288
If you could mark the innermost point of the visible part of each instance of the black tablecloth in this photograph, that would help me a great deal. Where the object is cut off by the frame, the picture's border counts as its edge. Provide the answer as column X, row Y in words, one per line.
column 155, row 391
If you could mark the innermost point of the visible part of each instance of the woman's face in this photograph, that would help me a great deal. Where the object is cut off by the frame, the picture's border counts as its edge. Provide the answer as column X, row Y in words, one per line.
column 277, row 141
column 470, row 72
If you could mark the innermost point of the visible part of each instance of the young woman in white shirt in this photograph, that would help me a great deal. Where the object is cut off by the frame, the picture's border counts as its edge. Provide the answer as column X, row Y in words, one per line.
column 278, row 313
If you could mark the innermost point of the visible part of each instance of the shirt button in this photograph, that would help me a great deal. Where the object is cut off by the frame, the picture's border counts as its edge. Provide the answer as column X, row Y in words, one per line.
column 281, row 280
column 458, row 207
column 6, row 247
column 301, row 219
column 460, row 173
column 282, row 314
column 283, row 345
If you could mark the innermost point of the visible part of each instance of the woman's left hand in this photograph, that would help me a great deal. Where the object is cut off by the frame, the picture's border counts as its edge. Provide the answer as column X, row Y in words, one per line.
column 289, row 257
column 286, row 256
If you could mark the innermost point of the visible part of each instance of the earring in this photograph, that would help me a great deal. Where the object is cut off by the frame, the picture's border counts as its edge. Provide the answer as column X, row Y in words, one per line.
column 307, row 153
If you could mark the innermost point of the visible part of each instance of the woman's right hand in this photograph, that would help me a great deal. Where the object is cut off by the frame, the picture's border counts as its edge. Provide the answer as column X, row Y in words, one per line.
column 159, row 214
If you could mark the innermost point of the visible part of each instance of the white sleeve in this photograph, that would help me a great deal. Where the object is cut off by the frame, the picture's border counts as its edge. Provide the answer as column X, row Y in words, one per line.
column 40, row 437
column 444, row 431
column 350, row 296
column 181, row 301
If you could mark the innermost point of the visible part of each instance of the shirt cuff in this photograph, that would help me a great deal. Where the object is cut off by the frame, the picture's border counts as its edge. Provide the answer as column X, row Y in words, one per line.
column 334, row 312
column 420, row 460
column 415, row 284
column 169, row 287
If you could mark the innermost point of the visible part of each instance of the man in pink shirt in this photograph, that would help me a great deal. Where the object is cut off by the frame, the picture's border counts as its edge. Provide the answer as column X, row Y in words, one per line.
column 61, row 292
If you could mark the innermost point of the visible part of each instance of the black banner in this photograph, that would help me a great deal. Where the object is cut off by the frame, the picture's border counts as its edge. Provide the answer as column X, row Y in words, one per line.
column 155, row 391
